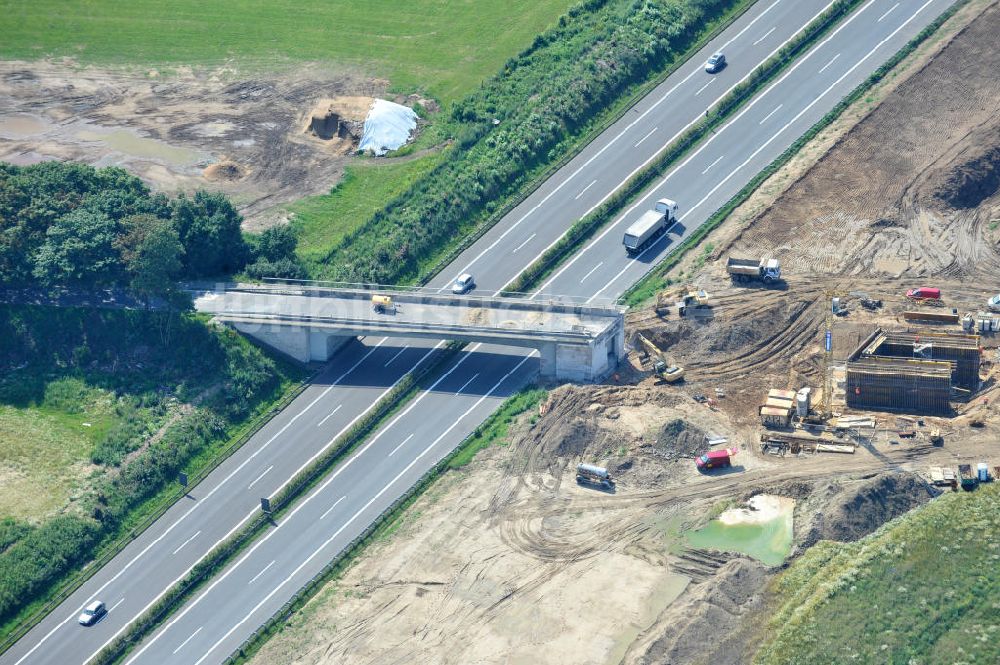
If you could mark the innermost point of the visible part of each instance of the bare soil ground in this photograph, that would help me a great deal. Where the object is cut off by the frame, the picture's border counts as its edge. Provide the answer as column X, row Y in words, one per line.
column 265, row 141
column 511, row 561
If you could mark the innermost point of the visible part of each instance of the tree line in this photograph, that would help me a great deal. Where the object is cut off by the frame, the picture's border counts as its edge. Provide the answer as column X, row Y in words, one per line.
column 64, row 224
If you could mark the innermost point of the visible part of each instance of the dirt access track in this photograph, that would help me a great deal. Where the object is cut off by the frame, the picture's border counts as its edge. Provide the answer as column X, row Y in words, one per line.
column 510, row 561
column 264, row 141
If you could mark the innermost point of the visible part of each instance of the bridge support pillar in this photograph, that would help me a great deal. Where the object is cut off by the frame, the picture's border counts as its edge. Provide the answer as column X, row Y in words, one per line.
column 580, row 362
column 303, row 344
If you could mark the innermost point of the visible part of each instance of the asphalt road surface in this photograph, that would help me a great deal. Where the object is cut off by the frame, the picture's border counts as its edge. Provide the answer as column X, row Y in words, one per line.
column 228, row 610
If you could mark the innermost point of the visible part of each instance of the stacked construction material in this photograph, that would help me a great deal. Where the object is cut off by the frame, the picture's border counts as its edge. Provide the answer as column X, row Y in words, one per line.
column 777, row 410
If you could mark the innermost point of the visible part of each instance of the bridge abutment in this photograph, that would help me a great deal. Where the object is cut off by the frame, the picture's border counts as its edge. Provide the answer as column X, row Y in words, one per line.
column 303, row 344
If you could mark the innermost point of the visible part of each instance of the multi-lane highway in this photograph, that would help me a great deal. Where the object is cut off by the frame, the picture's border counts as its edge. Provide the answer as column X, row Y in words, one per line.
column 208, row 628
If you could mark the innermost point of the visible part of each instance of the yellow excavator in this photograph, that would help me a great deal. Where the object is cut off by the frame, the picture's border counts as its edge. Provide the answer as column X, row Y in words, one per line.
column 681, row 299
column 661, row 368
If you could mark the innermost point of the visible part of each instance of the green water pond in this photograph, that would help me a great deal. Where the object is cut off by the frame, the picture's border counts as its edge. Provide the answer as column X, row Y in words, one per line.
column 767, row 541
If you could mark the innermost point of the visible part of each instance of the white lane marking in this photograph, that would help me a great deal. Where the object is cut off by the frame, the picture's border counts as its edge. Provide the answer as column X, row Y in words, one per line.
column 766, row 117
column 250, row 486
column 764, row 36
column 713, row 164
column 192, row 509
column 398, row 354
column 327, row 417
column 264, row 570
column 466, row 384
column 256, row 510
column 584, row 190
column 591, row 272
column 887, row 13
column 665, row 96
column 188, row 639
column 305, row 502
column 524, row 243
column 646, row 163
column 356, row 515
column 335, row 503
column 115, row 605
column 651, row 132
column 702, row 88
column 823, row 68
column 187, row 541
column 780, row 131
column 394, row 450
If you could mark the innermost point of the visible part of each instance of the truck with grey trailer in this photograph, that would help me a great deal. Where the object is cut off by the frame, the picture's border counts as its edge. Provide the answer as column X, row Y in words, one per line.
column 594, row 475
column 653, row 224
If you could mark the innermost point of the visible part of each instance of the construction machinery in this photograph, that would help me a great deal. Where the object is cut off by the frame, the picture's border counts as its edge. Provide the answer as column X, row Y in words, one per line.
column 594, row 475
column 744, row 270
column 682, row 300
column 650, row 352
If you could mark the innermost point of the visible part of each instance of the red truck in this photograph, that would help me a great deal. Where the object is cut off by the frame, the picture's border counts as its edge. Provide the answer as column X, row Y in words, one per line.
column 924, row 293
column 716, row 459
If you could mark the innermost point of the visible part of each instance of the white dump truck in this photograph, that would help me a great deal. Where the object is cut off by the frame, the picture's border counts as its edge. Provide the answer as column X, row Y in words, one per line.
column 594, row 475
column 746, row 270
column 653, row 224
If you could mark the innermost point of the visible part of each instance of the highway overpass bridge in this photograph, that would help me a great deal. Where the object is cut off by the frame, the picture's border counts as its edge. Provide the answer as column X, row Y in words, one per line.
column 576, row 341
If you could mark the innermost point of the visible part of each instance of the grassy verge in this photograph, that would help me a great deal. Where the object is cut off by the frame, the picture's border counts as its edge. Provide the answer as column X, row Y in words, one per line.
column 112, row 510
column 656, row 280
column 493, row 431
column 324, row 221
column 921, row 589
column 297, row 488
column 417, row 45
column 587, row 227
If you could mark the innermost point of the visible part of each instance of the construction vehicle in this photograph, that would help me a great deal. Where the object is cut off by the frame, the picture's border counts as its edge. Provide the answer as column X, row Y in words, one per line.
column 653, row 224
column 746, row 270
column 966, row 477
column 936, row 438
column 593, row 475
column 716, row 459
column 681, row 300
column 649, row 351
column 383, row 304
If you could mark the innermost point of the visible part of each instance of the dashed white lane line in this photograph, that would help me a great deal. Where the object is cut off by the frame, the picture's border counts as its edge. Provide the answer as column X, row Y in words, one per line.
column 568, row 264
column 524, row 243
column 394, row 450
column 327, row 417
column 264, row 473
column 115, row 605
column 591, row 272
column 651, row 132
column 265, row 568
column 767, row 117
column 187, row 541
column 764, row 36
column 776, row 134
column 702, row 88
column 712, row 164
column 184, row 643
column 583, row 190
column 832, row 60
column 887, row 13
column 398, row 354
column 330, row 509
column 351, row 520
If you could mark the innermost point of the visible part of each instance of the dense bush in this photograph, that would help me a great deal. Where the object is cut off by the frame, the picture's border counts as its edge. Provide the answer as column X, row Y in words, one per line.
column 55, row 357
column 66, row 224
column 517, row 121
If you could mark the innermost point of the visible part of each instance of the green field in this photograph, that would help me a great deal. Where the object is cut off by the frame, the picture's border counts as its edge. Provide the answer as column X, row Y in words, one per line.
column 323, row 221
column 444, row 47
column 923, row 589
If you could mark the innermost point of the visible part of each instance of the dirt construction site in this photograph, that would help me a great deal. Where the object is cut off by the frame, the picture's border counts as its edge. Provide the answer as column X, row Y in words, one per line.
column 512, row 560
column 264, row 140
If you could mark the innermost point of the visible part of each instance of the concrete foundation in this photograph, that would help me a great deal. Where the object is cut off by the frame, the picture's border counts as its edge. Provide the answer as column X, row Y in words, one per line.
column 302, row 344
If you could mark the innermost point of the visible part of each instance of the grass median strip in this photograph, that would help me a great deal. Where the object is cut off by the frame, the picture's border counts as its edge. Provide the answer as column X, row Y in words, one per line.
column 298, row 487
column 656, row 280
column 587, row 227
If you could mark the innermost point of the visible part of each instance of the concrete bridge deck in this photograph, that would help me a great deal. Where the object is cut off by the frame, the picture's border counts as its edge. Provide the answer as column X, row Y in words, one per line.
column 576, row 340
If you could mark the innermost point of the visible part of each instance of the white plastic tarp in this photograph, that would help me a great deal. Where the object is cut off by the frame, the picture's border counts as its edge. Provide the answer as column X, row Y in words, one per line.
column 387, row 127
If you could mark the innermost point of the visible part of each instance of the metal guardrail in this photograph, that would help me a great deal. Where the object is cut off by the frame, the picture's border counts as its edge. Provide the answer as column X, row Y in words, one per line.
column 90, row 569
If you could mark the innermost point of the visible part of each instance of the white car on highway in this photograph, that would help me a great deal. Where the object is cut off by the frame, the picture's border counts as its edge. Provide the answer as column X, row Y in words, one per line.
column 463, row 284
column 92, row 613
